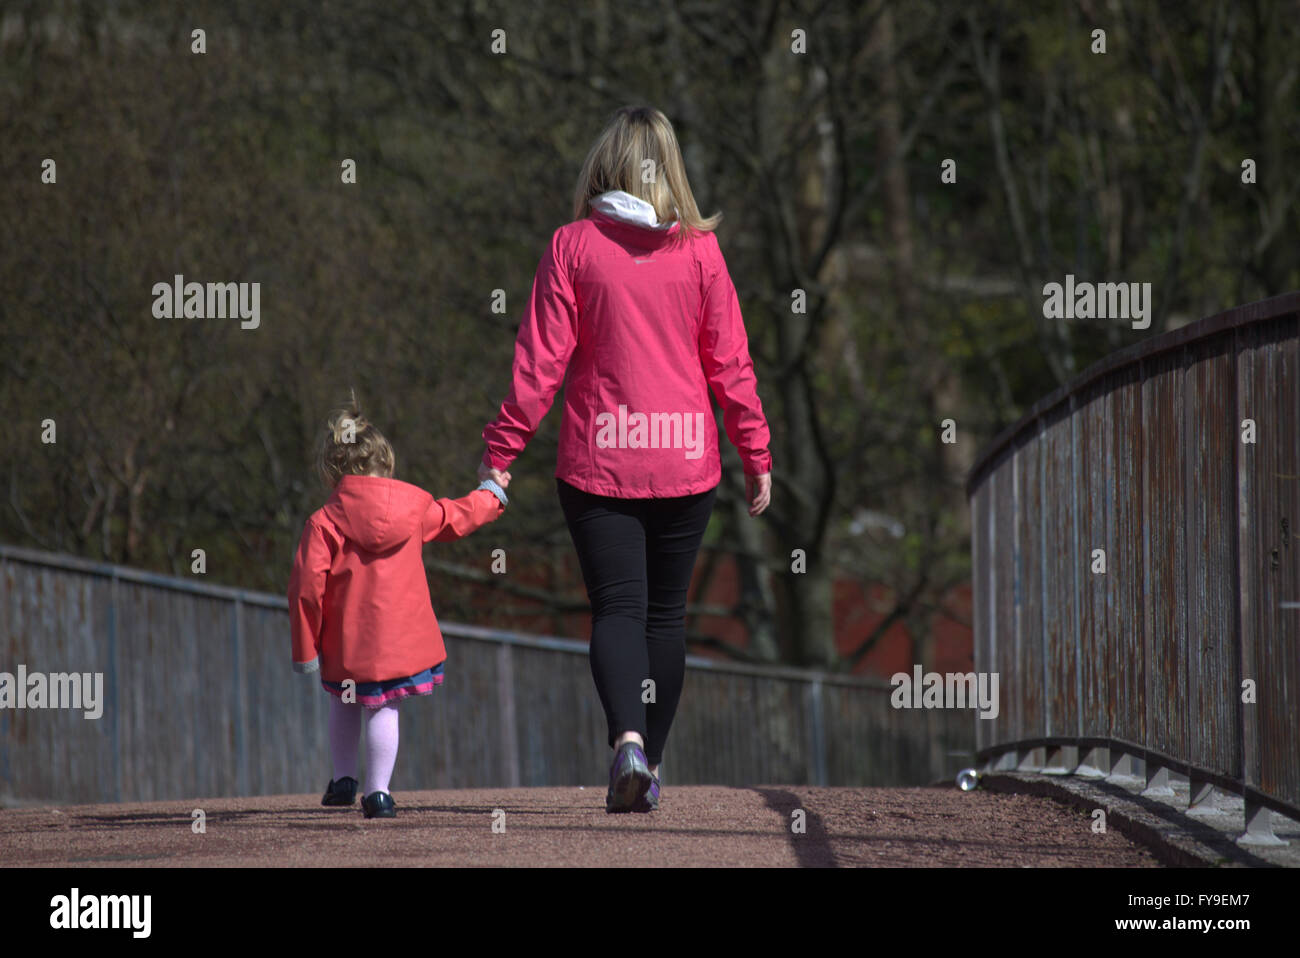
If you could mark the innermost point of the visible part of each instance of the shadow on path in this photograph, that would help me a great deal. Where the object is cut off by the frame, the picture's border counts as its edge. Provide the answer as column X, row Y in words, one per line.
column 1221, row 844
column 812, row 848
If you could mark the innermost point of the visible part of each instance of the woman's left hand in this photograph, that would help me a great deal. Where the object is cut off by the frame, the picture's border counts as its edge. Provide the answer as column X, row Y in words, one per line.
column 758, row 490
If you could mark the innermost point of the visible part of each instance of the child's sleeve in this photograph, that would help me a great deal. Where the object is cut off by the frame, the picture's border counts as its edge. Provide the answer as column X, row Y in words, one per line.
column 306, row 597
column 450, row 519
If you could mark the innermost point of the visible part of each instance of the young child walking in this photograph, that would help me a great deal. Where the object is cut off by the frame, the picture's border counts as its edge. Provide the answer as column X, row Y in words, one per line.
column 359, row 605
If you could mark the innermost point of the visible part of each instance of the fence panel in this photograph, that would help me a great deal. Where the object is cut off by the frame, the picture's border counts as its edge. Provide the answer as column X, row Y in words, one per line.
column 1008, row 592
column 986, row 628
column 1022, row 685
column 1213, row 686
column 1277, row 556
column 1148, row 454
column 199, row 700
column 1127, row 560
column 1164, row 404
column 1097, row 574
column 1061, row 624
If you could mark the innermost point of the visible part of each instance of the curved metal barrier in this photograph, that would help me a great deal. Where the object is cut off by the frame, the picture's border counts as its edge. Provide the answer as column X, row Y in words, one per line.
column 1136, row 551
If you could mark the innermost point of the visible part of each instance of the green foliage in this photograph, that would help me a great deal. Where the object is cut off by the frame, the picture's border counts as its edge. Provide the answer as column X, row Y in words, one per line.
column 177, row 434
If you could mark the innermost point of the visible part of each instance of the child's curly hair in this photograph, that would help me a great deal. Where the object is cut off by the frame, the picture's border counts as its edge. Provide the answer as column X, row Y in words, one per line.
column 353, row 446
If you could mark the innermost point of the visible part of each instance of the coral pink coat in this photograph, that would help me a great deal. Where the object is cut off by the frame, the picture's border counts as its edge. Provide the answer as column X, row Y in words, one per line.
column 645, row 326
column 359, row 604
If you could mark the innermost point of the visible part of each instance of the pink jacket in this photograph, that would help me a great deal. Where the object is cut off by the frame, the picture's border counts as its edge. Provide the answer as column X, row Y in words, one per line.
column 359, row 604
column 645, row 326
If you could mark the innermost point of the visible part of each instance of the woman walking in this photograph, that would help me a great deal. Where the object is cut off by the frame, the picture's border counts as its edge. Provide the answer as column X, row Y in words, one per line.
column 633, row 300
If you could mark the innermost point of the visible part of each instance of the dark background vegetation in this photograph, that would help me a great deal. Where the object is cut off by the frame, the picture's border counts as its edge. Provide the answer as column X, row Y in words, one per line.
column 924, row 298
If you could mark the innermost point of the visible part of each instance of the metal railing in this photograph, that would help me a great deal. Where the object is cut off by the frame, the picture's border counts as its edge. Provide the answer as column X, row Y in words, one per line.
column 1137, row 567
column 199, row 699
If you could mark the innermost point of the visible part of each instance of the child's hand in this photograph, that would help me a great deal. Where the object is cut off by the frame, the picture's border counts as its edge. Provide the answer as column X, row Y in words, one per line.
column 502, row 479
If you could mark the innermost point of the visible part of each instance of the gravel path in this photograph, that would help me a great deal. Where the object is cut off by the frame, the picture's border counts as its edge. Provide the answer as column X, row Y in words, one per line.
column 696, row 826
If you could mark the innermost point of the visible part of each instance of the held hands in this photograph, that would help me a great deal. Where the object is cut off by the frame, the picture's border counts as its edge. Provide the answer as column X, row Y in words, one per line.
column 758, row 490
column 502, row 479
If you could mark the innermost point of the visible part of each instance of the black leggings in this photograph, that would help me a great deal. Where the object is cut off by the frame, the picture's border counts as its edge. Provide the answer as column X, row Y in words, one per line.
column 637, row 556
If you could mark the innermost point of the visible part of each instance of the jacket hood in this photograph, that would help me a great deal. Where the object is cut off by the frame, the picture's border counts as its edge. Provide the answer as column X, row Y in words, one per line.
column 626, row 208
column 377, row 513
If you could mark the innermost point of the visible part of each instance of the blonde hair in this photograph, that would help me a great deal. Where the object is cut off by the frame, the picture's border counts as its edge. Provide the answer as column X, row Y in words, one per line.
column 637, row 139
column 352, row 446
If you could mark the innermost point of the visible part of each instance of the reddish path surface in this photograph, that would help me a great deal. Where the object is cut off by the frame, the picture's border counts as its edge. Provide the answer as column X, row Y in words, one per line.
column 697, row 826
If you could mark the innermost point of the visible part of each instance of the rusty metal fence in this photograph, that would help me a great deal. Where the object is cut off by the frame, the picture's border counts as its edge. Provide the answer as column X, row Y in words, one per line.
column 1137, row 568
column 199, row 700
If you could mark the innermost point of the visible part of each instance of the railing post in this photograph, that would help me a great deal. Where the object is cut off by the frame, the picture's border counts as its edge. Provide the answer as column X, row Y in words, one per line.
column 114, row 689
column 506, row 696
column 238, row 715
column 817, row 725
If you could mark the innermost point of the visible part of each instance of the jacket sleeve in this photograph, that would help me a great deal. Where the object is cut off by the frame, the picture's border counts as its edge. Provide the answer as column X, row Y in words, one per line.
column 306, row 597
column 724, row 354
column 546, row 340
column 450, row 519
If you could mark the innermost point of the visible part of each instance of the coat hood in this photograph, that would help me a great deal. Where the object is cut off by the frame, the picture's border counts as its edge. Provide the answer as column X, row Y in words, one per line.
column 626, row 208
column 377, row 513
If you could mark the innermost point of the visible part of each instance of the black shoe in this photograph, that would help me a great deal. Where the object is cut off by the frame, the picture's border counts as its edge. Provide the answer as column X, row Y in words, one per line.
column 378, row 805
column 342, row 792
column 650, row 800
column 629, row 779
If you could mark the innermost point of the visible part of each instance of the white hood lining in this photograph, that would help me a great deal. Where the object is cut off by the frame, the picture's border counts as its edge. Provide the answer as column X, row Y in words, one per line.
column 627, row 208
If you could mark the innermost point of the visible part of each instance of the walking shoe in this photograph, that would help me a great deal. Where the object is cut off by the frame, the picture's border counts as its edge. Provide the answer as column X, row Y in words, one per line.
column 378, row 805
column 650, row 800
column 342, row 792
column 629, row 779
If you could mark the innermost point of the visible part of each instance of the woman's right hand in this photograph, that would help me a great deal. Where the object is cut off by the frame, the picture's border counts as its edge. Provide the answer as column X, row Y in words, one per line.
column 758, row 490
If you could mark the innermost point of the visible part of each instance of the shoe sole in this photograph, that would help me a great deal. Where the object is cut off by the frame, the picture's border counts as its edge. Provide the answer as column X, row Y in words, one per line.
column 647, row 803
column 628, row 793
column 628, row 790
